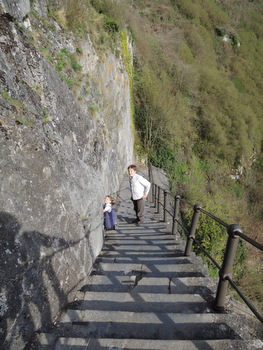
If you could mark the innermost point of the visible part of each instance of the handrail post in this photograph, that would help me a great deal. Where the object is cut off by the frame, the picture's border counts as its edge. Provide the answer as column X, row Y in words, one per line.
column 227, row 266
column 152, row 192
column 150, row 176
column 155, row 192
column 164, row 205
column 176, row 214
column 158, row 200
column 150, row 197
column 190, row 238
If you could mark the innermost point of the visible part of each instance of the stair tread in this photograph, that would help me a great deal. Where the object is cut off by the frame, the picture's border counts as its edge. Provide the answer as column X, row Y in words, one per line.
column 146, row 344
column 166, row 285
column 143, row 317
column 142, row 302
column 147, row 259
column 150, row 269
column 140, row 297
column 149, row 325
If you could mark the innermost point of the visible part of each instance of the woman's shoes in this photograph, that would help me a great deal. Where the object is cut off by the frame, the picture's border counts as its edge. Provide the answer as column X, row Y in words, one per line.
column 140, row 222
column 134, row 221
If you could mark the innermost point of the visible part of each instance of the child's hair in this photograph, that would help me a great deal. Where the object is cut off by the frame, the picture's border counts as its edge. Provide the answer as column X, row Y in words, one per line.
column 111, row 199
column 132, row 166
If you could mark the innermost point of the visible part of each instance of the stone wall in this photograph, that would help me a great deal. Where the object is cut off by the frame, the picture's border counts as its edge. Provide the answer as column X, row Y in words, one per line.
column 15, row 9
column 58, row 159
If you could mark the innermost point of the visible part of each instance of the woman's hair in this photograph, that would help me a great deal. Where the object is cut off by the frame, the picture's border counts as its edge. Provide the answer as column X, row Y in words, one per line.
column 111, row 200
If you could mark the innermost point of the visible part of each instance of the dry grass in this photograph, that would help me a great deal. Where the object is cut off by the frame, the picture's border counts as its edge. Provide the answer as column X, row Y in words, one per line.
column 61, row 17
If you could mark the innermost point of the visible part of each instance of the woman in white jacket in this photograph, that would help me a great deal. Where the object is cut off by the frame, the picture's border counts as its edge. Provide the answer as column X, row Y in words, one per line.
column 140, row 188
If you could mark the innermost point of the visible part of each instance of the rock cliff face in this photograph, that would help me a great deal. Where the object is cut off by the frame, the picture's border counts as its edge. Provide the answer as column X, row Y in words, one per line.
column 61, row 151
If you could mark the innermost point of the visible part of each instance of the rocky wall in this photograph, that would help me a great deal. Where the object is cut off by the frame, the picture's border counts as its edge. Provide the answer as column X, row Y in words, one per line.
column 61, row 151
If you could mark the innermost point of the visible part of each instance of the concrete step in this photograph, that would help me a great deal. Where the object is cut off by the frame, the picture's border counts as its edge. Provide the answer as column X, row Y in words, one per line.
column 144, row 248
column 152, row 239
column 161, row 285
column 133, row 231
column 146, row 253
column 149, row 325
column 143, row 344
column 142, row 302
column 144, row 245
column 157, row 270
column 149, row 260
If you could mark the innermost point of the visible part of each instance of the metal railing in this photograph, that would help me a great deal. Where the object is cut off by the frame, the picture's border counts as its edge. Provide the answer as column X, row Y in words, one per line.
column 159, row 196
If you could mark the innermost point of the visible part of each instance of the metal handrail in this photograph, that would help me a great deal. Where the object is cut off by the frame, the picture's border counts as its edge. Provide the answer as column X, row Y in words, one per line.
column 234, row 233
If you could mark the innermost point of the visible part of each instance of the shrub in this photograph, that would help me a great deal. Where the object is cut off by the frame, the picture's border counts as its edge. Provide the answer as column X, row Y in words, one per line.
column 74, row 63
column 62, row 59
column 93, row 109
column 212, row 235
column 79, row 50
column 110, row 25
column 68, row 81
column 185, row 53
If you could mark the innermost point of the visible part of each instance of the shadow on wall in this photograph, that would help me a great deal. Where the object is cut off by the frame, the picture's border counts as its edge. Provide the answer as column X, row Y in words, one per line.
column 25, row 267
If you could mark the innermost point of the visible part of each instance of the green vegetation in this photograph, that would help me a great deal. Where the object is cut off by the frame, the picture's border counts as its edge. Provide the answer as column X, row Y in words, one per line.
column 66, row 58
column 110, row 25
column 79, row 50
column 62, row 56
column 68, row 81
column 78, row 20
column 213, row 236
column 127, row 59
column 46, row 117
column 24, row 122
column 93, row 109
column 18, row 106
column 74, row 63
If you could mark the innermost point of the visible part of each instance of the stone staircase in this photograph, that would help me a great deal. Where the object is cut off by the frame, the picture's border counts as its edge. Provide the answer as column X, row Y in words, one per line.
column 144, row 294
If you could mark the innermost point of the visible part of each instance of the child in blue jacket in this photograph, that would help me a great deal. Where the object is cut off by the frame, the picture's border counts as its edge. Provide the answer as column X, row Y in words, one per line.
column 110, row 217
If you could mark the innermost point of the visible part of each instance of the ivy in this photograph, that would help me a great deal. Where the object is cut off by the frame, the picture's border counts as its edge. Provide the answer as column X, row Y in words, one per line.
column 127, row 60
